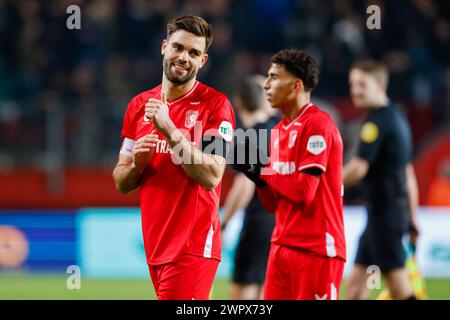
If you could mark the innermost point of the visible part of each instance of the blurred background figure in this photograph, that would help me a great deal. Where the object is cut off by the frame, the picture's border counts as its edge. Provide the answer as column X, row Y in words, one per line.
column 256, row 119
column 440, row 186
column 79, row 77
column 63, row 92
column 383, row 163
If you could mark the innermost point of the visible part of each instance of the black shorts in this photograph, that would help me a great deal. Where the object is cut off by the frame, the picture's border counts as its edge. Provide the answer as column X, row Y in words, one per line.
column 251, row 256
column 381, row 247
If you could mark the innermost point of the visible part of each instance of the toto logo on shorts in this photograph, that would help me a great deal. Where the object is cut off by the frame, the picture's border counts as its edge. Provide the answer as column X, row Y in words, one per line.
column 13, row 247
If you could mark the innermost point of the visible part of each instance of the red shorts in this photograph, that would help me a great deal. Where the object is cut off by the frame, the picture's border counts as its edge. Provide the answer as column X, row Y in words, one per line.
column 189, row 278
column 296, row 275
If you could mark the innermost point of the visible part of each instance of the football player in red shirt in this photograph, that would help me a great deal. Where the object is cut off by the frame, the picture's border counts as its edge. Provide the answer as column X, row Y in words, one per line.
column 175, row 138
column 302, row 185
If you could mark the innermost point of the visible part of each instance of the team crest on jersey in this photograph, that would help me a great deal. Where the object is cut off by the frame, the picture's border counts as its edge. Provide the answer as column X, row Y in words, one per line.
column 292, row 138
column 191, row 117
column 316, row 144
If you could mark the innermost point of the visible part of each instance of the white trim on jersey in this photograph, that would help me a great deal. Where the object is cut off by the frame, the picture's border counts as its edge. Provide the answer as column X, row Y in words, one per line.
column 297, row 117
column 127, row 147
column 172, row 102
column 186, row 94
column 208, row 243
column 330, row 245
column 333, row 293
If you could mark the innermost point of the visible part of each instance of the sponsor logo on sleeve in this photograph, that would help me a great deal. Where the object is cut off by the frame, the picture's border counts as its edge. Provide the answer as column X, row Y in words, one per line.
column 316, row 144
column 226, row 130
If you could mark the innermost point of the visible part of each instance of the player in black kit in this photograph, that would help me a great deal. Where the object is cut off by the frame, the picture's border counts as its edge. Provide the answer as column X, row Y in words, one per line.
column 383, row 162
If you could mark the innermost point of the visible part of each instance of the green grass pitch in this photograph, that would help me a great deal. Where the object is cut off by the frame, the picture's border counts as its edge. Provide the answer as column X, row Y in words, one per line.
column 53, row 287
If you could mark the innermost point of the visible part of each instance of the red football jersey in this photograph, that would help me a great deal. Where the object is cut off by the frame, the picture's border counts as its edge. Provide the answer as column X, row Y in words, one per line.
column 179, row 216
column 311, row 139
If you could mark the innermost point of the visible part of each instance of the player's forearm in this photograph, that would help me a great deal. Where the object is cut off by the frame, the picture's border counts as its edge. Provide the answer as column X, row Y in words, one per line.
column 301, row 189
column 245, row 192
column 413, row 191
column 206, row 169
column 238, row 197
column 351, row 177
column 127, row 177
column 354, row 171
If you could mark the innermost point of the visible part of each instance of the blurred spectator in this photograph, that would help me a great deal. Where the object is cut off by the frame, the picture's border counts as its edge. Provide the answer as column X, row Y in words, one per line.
column 92, row 72
column 439, row 194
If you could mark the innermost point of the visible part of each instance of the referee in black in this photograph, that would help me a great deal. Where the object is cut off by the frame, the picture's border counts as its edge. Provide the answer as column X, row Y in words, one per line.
column 383, row 163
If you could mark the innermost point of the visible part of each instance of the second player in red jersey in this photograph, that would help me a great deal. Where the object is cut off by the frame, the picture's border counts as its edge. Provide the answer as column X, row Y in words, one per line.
column 174, row 148
column 309, row 206
column 302, row 185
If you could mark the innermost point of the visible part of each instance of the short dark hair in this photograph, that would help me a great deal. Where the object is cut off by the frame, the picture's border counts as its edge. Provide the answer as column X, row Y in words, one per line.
column 376, row 69
column 251, row 93
column 301, row 64
column 193, row 24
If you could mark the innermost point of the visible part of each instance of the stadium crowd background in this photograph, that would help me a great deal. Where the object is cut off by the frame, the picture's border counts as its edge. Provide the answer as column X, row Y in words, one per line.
column 63, row 92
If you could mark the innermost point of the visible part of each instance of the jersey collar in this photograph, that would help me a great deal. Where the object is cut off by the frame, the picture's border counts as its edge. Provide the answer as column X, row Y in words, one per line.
column 302, row 111
column 184, row 95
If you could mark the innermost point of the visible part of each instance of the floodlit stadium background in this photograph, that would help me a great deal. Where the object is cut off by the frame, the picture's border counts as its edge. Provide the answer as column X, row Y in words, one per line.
column 63, row 94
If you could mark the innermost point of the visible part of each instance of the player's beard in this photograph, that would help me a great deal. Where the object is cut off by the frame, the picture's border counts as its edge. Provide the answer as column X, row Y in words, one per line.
column 191, row 73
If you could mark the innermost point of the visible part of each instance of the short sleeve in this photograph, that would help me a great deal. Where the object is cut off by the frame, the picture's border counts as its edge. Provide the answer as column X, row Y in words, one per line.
column 370, row 140
column 221, row 121
column 128, row 130
column 317, row 139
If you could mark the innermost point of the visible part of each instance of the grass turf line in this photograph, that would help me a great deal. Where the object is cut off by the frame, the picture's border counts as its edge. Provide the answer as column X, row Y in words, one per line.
column 51, row 287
